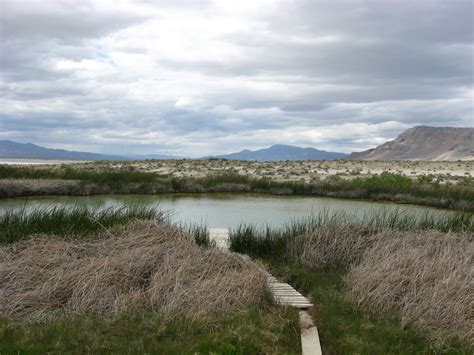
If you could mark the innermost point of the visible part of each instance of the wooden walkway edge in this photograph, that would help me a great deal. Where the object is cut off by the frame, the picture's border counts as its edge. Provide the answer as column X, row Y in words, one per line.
column 283, row 295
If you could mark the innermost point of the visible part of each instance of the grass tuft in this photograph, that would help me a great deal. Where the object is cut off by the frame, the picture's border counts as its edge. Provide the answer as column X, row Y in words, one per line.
column 278, row 242
column 69, row 223
column 200, row 234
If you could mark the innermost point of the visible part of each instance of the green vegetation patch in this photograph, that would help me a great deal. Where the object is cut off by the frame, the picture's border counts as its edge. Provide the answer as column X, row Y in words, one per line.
column 386, row 187
column 113, row 177
column 275, row 242
column 267, row 330
column 69, row 222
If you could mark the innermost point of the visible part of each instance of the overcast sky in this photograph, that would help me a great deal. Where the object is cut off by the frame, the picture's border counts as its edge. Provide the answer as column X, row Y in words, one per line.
column 196, row 77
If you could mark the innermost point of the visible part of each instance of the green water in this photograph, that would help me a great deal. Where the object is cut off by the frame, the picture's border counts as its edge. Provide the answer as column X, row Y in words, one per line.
column 224, row 210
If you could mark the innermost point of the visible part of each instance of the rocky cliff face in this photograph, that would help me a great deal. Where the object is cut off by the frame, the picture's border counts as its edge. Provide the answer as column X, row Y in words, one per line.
column 425, row 143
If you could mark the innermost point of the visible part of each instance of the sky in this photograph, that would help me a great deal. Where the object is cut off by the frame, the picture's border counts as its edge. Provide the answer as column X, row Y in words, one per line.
column 192, row 78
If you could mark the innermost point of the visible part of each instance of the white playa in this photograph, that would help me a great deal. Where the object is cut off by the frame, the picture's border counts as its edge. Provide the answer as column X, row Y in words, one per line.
column 18, row 161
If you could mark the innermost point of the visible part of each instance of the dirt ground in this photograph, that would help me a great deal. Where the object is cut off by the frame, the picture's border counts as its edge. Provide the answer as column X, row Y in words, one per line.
column 285, row 170
column 300, row 170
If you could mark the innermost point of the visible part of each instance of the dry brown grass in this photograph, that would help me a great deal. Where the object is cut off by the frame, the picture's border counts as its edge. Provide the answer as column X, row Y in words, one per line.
column 141, row 267
column 335, row 244
column 423, row 278
column 30, row 187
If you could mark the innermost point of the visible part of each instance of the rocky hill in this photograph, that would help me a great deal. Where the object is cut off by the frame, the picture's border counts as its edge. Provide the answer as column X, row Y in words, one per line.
column 424, row 143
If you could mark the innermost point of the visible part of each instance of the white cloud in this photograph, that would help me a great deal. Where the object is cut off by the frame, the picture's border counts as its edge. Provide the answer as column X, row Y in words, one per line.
column 202, row 77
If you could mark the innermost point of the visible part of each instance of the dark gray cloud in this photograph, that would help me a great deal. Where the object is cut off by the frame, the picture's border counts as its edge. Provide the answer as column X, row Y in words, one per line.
column 200, row 77
column 67, row 21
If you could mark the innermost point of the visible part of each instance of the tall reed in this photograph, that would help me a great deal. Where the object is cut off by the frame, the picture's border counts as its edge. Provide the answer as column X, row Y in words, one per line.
column 278, row 242
column 74, row 222
column 200, row 233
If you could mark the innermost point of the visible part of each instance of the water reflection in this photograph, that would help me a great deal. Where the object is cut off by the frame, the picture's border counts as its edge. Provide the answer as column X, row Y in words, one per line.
column 223, row 210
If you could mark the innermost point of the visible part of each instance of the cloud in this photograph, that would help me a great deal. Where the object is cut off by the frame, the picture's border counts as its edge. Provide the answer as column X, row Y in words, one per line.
column 203, row 77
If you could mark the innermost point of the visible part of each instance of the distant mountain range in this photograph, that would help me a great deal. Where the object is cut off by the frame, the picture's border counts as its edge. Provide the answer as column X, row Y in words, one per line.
column 153, row 156
column 281, row 152
column 424, row 143
column 10, row 149
column 418, row 143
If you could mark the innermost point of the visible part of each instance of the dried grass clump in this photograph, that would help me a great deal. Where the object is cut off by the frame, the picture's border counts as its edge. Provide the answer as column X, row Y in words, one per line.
column 34, row 187
column 424, row 278
column 335, row 244
column 145, row 266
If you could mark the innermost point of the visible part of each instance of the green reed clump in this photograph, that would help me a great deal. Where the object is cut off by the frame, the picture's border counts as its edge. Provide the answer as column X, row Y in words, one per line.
column 27, row 172
column 113, row 178
column 200, row 233
column 68, row 222
column 401, row 220
column 269, row 242
column 275, row 242
column 398, row 188
column 257, row 242
column 230, row 178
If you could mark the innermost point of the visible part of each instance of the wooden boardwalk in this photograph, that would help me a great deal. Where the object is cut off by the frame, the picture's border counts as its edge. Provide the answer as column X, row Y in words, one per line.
column 283, row 295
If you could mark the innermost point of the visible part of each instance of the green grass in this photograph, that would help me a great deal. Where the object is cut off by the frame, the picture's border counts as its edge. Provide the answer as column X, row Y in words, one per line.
column 68, row 222
column 401, row 220
column 348, row 329
column 265, row 242
column 267, row 330
column 81, row 222
column 385, row 187
column 114, row 178
column 201, row 234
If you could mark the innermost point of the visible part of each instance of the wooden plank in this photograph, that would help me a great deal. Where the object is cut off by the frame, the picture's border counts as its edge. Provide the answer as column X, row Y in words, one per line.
column 292, row 296
column 294, row 303
column 310, row 344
